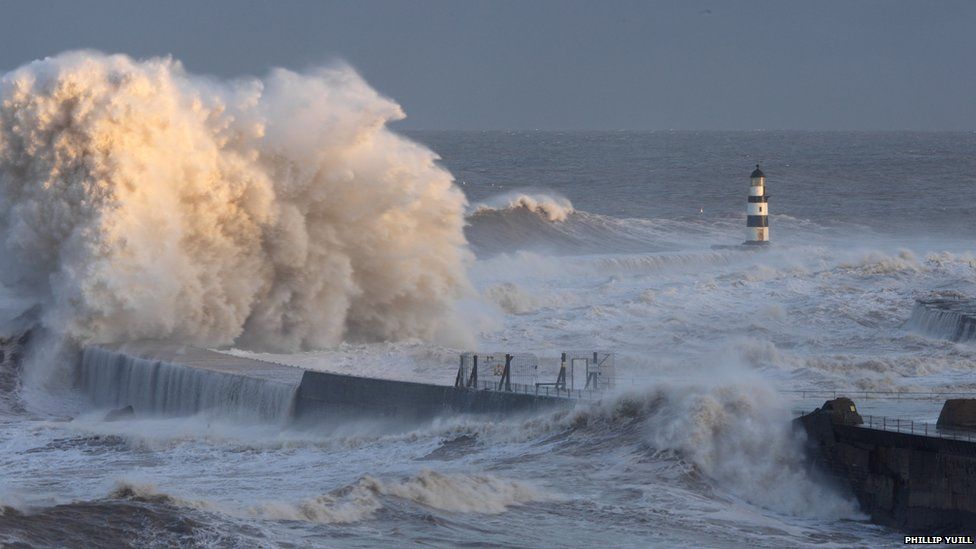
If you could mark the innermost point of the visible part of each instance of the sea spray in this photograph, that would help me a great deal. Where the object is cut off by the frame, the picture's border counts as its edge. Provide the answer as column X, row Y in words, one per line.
column 552, row 206
column 738, row 435
column 140, row 201
column 511, row 298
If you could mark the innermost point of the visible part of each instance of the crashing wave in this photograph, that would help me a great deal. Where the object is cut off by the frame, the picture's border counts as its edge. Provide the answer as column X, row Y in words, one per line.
column 456, row 493
column 512, row 299
column 550, row 224
column 359, row 501
column 738, row 435
column 281, row 213
column 877, row 263
column 550, row 206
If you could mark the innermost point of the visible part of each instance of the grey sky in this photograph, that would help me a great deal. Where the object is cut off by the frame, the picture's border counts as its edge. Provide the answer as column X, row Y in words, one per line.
column 694, row 64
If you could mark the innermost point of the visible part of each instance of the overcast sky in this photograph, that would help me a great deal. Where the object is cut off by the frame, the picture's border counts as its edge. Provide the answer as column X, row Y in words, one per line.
column 691, row 64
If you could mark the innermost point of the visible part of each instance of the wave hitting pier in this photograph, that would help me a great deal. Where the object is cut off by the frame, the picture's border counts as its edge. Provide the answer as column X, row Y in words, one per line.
column 909, row 475
column 952, row 319
column 167, row 379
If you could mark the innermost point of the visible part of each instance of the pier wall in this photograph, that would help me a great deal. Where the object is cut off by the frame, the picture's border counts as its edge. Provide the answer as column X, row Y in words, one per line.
column 323, row 393
column 908, row 481
column 166, row 379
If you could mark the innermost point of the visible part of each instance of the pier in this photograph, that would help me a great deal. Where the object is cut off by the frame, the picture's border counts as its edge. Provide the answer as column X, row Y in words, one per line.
column 167, row 379
column 914, row 476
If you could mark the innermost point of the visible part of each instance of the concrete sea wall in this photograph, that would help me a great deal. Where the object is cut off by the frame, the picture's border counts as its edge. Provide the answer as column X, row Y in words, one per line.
column 908, row 481
column 166, row 379
column 323, row 393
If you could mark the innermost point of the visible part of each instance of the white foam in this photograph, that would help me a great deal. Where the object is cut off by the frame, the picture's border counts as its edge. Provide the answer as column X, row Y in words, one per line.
column 550, row 205
column 359, row 501
column 280, row 213
column 457, row 493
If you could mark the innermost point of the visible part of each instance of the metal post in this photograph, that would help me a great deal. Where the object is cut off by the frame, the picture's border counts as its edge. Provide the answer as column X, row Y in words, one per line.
column 506, row 380
column 561, row 378
column 596, row 368
column 473, row 382
column 572, row 374
column 459, row 380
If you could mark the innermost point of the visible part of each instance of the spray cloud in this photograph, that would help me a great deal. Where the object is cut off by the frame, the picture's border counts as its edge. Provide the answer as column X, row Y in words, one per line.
column 281, row 213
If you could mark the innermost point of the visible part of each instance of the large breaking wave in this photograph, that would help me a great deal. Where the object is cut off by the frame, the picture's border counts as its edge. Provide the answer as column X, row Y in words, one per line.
column 549, row 223
column 141, row 201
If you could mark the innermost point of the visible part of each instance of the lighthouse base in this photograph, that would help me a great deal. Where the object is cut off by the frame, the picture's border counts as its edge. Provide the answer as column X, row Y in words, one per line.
column 756, row 243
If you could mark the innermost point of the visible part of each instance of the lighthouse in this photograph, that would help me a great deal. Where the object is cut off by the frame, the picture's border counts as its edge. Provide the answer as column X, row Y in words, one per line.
column 757, row 220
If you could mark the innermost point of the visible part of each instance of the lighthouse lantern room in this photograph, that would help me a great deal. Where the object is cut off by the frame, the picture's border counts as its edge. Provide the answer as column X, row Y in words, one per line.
column 757, row 220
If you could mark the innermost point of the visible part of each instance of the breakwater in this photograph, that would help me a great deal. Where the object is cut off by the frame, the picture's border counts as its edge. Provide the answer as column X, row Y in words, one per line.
column 166, row 379
column 912, row 477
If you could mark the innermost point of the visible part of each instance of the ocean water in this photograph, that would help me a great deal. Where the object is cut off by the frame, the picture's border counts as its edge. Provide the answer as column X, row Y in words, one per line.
column 580, row 241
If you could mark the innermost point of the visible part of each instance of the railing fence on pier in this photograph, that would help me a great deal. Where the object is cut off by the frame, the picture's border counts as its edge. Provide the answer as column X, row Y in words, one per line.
column 877, row 395
column 908, row 426
column 541, row 390
column 896, row 425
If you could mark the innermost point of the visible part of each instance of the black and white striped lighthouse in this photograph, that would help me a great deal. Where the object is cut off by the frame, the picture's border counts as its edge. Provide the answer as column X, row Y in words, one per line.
column 757, row 220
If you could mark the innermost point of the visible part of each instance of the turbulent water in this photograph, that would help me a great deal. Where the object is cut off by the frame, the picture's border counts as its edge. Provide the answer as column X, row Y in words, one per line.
column 142, row 201
column 575, row 241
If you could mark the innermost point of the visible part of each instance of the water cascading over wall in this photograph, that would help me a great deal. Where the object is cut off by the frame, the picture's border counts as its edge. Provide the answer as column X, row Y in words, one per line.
column 154, row 386
column 952, row 319
column 166, row 379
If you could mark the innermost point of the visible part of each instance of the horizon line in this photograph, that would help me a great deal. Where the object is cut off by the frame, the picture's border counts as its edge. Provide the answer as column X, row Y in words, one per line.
column 677, row 130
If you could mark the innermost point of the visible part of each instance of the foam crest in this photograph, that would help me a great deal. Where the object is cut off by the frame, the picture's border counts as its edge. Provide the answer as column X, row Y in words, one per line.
column 149, row 493
column 551, row 206
column 660, row 261
column 457, row 493
column 877, row 263
column 512, row 299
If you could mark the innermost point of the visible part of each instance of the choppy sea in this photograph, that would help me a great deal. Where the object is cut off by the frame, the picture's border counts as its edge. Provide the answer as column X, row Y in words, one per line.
column 581, row 241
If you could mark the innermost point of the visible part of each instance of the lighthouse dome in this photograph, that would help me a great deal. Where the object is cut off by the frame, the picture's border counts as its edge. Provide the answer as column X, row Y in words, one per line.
column 757, row 173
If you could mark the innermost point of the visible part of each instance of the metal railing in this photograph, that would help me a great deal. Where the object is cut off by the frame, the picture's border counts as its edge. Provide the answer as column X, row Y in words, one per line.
column 868, row 395
column 907, row 426
column 895, row 425
column 540, row 390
